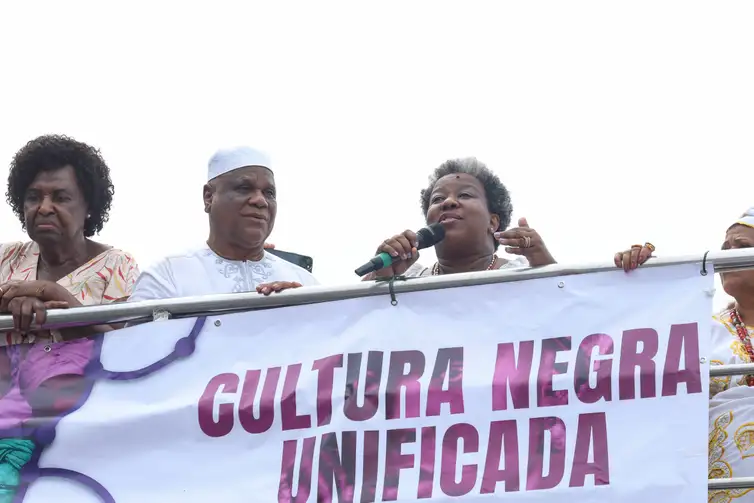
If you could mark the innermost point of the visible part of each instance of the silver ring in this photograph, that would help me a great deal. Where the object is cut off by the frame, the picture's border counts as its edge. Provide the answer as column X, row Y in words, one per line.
column 527, row 242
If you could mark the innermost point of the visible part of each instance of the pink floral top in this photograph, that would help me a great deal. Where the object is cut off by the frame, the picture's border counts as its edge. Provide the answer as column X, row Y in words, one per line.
column 108, row 277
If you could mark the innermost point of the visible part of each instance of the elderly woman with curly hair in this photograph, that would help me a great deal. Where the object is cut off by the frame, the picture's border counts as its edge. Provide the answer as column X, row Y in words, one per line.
column 475, row 208
column 60, row 189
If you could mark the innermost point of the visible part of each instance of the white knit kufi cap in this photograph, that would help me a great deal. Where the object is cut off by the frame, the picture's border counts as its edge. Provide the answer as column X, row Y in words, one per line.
column 747, row 218
column 229, row 159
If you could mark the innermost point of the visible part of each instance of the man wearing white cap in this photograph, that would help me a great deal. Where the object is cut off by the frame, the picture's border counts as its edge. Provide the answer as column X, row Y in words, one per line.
column 240, row 199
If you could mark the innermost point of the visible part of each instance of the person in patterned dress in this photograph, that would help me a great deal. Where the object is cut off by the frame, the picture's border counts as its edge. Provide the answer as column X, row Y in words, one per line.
column 60, row 189
column 731, row 434
column 731, row 413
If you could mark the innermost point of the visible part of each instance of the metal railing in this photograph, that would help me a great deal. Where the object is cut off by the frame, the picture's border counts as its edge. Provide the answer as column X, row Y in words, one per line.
column 189, row 307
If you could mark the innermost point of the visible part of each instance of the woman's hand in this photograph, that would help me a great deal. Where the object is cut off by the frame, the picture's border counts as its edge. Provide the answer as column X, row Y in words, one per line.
column 43, row 290
column 28, row 310
column 277, row 287
column 634, row 257
column 402, row 248
column 523, row 240
column 28, row 301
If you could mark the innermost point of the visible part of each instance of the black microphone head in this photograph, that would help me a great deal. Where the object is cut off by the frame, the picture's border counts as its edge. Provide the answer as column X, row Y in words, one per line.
column 430, row 236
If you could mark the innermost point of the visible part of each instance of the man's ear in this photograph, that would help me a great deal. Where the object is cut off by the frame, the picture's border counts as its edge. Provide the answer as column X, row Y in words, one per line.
column 208, row 191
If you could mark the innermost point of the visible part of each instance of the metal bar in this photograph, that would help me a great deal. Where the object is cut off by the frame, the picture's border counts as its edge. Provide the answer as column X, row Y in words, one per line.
column 735, row 483
column 187, row 307
column 731, row 370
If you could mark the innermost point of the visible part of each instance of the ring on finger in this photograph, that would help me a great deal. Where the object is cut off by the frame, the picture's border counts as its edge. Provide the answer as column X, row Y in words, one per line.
column 650, row 246
column 527, row 242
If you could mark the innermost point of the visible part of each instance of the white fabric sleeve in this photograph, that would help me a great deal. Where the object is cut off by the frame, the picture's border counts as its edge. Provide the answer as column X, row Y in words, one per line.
column 155, row 282
column 306, row 278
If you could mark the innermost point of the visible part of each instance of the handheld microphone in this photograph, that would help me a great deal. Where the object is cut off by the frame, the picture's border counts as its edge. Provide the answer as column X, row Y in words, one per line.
column 426, row 237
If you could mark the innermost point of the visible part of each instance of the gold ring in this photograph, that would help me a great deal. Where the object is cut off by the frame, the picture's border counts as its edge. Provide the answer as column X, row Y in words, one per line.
column 650, row 246
column 40, row 291
column 636, row 246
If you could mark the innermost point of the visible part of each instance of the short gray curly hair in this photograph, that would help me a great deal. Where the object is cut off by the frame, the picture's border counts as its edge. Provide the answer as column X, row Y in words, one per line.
column 498, row 198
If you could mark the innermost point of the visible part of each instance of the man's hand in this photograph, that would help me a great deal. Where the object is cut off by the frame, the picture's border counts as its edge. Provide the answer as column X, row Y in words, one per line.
column 277, row 287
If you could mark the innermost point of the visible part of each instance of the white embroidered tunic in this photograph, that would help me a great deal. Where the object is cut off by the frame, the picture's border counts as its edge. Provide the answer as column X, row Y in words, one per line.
column 203, row 272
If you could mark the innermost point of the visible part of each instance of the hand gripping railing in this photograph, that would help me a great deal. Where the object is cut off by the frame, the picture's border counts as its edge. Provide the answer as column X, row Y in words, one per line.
column 189, row 307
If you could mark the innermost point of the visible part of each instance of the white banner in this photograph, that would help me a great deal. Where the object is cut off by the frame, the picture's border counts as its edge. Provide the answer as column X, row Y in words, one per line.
column 589, row 388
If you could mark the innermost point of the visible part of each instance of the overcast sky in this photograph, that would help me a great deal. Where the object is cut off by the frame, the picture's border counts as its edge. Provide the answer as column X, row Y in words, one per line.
column 610, row 122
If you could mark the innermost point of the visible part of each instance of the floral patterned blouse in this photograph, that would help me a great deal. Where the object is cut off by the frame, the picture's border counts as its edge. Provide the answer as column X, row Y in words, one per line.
column 108, row 277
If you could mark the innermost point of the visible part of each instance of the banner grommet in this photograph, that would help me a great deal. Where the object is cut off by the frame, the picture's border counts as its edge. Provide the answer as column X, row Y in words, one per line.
column 393, row 298
column 390, row 286
column 703, row 272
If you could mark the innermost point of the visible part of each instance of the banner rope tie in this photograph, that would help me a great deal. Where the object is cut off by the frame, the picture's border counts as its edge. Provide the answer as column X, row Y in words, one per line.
column 703, row 272
column 390, row 284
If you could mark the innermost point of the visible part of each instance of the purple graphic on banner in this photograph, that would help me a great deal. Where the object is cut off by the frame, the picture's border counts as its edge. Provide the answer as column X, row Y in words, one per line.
column 40, row 385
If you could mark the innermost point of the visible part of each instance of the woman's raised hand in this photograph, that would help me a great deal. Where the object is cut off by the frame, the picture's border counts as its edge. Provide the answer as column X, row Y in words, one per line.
column 635, row 256
column 523, row 240
column 402, row 248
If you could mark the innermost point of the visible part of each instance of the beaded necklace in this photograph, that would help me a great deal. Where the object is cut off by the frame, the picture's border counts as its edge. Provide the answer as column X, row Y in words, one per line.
column 436, row 268
column 743, row 335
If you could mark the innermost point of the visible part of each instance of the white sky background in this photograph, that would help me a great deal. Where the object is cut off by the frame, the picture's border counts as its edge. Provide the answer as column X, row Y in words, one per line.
column 611, row 123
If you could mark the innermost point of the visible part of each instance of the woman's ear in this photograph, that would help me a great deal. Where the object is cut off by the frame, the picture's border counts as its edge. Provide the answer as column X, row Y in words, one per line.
column 494, row 222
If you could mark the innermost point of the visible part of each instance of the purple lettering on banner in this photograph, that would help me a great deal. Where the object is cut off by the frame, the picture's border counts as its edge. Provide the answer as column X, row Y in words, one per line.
column 285, row 489
column 631, row 358
column 339, row 464
column 548, row 368
column 502, row 434
column 228, row 383
column 536, row 478
column 448, row 483
column 370, row 386
column 427, row 462
column 266, row 403
column 395, row 460
column 291, row 419
column 683, row 338
column 603, row 369
column 398, row 377
column 512, row 373
column 325, row 379
column 592, row 432
column 371, row 465
column 449, row 363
